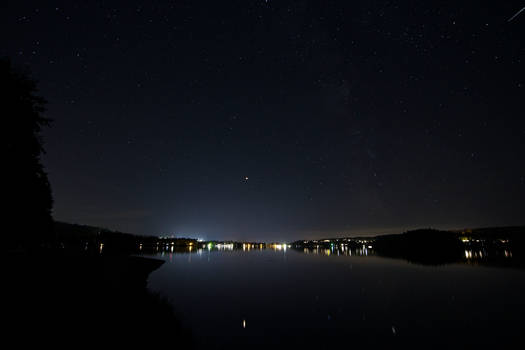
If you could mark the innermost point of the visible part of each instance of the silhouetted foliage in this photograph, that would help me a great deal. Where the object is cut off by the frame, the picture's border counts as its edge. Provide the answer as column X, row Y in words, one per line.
column 423, row 246
column 101, row 240
column 72, row 296
column 27, row 194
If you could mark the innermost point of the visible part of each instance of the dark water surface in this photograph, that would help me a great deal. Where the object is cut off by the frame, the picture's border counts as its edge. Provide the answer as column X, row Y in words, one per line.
column 288, row 299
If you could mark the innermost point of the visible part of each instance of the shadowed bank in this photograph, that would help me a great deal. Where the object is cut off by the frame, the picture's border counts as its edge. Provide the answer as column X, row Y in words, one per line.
column 59, row 296
column 54, row 296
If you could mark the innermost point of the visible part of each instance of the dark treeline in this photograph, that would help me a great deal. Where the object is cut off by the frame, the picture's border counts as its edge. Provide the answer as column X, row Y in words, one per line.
column 56, row 294
column 424, row 246
column 101, row 240
column 494, row 246
column 98, row 240
column 26, row 191
column 514, row 234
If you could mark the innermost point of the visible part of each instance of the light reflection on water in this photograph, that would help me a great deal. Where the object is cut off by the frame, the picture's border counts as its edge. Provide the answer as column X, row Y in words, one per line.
column 270, row 293
column 316, row 251
column 339, row 250
column 481, row 254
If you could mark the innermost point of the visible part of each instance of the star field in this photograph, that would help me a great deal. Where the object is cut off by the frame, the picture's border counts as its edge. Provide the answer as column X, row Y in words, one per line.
column 278, row 119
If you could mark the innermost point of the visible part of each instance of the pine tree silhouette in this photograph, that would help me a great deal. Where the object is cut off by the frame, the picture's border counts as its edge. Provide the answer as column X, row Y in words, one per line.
column 27, row 193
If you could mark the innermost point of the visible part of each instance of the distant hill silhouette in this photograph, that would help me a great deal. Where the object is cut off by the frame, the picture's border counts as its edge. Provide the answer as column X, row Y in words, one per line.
column 26, row 191
column 424, row 246
column 491, row 246
column 89, row 238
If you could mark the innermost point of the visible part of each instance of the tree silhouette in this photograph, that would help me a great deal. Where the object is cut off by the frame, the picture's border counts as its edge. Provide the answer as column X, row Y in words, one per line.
column 28, row 200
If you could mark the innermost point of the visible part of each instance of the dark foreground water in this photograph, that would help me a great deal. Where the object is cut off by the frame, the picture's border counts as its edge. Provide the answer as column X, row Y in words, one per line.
column 276, row 299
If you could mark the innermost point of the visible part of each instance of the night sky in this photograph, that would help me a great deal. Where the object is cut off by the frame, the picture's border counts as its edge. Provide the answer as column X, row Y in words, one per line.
column 276, row 120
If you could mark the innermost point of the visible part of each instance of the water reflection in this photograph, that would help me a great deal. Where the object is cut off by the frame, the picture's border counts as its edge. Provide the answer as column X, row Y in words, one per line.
column 485, row 254
column 471, row 254
column 339, row 291
column 339, row 250
column 210, row 246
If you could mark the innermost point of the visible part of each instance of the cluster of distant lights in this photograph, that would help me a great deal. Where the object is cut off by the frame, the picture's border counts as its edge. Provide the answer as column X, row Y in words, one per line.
column 340, row 249
column 471, row 254
column 362, row 241
column 223, row 246
column 335, row 248
column 180, row 235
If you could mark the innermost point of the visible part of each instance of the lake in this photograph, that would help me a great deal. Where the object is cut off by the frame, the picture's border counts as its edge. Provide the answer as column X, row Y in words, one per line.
column 282, row 298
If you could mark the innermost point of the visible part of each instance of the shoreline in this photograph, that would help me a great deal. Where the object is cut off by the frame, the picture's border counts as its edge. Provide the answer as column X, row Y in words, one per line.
column 59, row 296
